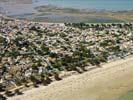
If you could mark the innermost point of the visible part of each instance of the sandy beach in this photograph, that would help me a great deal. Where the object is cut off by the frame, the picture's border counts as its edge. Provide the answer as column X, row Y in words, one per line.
column 107, row 83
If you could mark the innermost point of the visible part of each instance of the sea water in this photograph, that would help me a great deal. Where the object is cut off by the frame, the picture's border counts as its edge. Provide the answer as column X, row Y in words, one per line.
column 13, row 7
column 116, row 5
column 25, row 8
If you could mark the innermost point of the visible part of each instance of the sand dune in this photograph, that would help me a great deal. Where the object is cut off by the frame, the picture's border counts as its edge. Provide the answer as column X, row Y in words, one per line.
column 106, row 83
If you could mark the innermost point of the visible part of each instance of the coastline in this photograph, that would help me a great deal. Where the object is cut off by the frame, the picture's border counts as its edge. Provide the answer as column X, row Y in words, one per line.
column 114, row 79
column 58, row 14
column 57, row 44
column 119, row 66
column 50, row 13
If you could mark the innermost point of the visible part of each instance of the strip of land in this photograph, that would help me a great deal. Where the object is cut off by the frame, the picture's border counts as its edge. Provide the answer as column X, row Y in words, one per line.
column 106, row 83
column 54, row 14
column 58, row 14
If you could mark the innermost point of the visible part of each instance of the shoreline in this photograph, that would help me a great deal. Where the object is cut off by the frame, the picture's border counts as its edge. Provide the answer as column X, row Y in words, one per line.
column 109, row 14
column 50, row 13
column 100, row 79
column 90, row 82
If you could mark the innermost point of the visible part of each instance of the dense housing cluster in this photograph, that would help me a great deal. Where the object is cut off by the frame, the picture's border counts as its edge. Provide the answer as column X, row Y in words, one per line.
column 37, row 52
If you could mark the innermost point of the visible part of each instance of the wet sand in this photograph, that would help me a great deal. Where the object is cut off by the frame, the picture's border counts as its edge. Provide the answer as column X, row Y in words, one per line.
column 107, row 83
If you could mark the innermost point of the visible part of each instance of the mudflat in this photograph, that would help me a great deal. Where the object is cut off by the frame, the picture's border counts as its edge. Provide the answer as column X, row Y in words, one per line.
column 107, row 83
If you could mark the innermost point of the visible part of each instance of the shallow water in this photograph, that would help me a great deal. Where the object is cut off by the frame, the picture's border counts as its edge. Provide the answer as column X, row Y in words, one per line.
column 70, row 19
column 25, row 9
column 90, row 4
column 15, row 7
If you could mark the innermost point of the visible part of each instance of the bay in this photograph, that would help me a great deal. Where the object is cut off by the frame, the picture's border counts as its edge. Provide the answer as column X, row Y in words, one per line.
column 12, row 7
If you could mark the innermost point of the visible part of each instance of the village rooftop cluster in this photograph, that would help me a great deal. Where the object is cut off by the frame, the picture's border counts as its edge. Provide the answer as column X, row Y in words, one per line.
column 37, row 53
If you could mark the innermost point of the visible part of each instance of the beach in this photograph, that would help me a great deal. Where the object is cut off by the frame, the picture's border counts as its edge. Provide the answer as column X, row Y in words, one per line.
column 109, row 82
column 66, row 50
